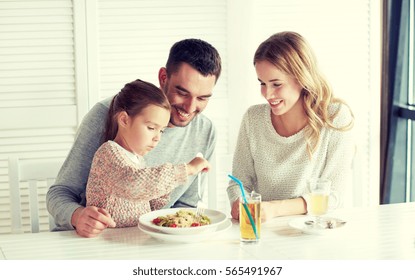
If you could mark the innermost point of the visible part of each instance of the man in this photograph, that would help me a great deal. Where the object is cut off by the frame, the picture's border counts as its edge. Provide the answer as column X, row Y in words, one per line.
column 192, row 70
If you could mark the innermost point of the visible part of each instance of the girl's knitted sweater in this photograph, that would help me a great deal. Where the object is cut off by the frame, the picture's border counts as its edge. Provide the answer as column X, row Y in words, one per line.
column 120, row 183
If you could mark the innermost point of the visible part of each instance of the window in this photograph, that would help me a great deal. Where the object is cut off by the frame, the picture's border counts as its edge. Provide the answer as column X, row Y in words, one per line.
column 399, row 103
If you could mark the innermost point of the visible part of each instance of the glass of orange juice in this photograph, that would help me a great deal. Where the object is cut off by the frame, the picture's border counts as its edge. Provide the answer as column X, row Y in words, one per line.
column 245, row 225
column 320, row 195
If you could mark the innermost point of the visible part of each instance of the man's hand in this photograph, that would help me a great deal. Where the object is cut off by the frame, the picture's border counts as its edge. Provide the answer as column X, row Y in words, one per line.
column 91, row 221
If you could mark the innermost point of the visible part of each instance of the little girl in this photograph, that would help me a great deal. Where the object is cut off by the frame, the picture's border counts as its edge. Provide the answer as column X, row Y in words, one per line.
column 119, row 181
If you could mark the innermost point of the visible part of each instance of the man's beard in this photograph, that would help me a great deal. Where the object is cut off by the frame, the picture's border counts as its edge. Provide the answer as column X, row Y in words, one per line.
column 179, row 123
column 174, row 112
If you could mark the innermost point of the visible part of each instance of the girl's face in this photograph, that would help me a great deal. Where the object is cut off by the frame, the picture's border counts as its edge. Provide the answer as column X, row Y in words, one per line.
column 141, row 133
column 282, row 92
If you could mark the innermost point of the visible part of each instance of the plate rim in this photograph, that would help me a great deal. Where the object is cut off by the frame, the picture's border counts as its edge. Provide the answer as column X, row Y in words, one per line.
column 146, row 219
column 179, row 238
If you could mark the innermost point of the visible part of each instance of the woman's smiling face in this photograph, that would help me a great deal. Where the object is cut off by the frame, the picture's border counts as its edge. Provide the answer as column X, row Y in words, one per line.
column 282, row 92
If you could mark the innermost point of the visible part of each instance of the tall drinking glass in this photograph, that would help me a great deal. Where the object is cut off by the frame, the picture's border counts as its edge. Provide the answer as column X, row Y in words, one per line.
column 254, row 208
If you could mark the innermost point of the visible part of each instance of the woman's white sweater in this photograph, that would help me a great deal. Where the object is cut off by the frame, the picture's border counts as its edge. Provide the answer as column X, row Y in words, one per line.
column 278, row 167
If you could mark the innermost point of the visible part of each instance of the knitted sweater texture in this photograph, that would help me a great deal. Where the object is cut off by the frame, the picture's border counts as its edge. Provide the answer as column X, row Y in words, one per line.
column 278, row 167
column 126, row 189
column 177, row 145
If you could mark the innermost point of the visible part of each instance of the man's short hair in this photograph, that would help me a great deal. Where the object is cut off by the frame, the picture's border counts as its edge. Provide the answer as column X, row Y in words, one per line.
column 199, row 54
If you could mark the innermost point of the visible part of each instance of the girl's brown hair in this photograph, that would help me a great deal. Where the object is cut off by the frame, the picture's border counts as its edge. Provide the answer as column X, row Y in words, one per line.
column 132, row 99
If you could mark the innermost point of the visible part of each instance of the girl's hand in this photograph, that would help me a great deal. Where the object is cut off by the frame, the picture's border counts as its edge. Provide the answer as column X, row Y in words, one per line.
column 197, row 165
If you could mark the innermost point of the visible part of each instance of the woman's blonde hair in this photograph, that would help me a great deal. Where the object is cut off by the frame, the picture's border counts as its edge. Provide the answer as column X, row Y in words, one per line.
column 291, row 53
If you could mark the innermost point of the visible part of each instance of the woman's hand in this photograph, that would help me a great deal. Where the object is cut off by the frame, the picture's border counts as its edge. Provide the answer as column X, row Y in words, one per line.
column 267, row 211
column 286, row 207
column 235, row 210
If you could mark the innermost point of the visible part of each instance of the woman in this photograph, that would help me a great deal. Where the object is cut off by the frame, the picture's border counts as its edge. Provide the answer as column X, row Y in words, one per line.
column 302, row 132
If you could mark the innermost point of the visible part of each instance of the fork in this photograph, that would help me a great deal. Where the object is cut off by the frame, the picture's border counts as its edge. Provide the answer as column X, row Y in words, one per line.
column 200, row 209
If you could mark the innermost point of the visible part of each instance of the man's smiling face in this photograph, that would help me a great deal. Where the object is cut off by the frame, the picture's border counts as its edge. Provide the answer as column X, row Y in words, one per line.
column 188, row 92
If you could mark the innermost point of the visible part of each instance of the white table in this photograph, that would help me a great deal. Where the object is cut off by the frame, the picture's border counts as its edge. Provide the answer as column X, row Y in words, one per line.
column 381, row 232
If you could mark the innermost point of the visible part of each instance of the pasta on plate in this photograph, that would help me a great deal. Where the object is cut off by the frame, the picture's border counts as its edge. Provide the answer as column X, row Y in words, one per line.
column 181, row 219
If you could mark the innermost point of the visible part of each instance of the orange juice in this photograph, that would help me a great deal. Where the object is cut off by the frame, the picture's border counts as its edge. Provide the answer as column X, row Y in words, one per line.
column 247, row 232
column 319, row 204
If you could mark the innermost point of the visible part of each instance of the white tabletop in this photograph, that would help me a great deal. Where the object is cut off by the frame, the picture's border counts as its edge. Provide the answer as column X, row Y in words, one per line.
column 381, row 232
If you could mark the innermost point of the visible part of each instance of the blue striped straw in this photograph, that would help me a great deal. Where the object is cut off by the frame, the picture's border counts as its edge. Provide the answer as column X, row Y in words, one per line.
column 245, row 204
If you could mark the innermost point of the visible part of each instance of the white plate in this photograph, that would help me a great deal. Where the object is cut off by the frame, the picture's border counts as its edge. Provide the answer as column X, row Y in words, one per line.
column 306, row 225
column 174, row 238
column 216, row 218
